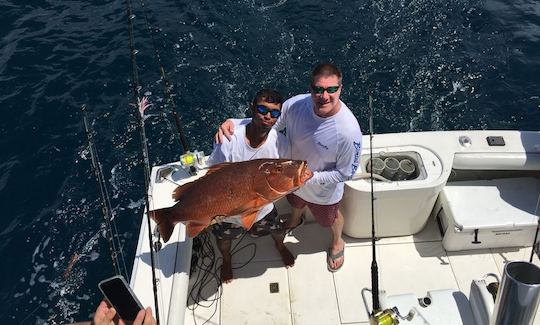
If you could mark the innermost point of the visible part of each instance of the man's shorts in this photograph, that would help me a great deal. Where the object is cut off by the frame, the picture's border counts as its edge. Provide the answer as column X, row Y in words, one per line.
column 271, row 223
column 324, row 214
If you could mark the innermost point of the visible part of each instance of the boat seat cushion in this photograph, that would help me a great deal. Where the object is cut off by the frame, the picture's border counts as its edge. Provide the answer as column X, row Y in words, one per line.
column 492, row 204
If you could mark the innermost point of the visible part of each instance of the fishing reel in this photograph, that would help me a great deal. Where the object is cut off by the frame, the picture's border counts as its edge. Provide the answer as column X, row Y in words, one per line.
column 193, row 161
column 390, row 316
column 195, row 158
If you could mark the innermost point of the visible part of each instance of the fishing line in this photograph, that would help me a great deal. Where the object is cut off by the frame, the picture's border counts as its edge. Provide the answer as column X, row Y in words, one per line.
column 167, row 87
column 144, row 150
column 115, row 246
column 30, row 314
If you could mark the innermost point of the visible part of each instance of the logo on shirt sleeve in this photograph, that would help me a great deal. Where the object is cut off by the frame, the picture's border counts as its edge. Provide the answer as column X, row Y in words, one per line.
column 322, row 145
column 354, row 166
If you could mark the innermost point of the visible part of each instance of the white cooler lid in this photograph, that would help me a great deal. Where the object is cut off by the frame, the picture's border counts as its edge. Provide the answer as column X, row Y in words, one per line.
column 490, row 204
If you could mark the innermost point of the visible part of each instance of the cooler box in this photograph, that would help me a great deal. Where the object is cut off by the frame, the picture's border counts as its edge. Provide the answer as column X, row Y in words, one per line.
column 489, row 213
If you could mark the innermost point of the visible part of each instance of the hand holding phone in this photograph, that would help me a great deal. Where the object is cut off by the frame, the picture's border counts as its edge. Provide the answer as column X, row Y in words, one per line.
column 106, row 315
column 121, row 297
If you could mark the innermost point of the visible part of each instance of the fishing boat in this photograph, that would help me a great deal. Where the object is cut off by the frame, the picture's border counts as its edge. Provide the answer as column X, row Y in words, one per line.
column 459, row 212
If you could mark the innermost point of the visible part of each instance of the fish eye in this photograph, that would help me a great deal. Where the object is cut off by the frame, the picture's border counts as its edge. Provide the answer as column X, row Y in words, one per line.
column 279, row 168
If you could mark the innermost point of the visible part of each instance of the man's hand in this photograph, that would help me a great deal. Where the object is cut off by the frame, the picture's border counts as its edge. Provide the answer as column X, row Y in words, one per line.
column 144, row 317
column 226, row 130
column 106, row 315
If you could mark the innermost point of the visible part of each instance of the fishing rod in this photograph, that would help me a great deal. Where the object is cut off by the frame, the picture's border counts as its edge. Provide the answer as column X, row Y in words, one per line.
column 105, row 200
column 144, row 150
column 378, row 316
column 166, row 83
column 374, row 268
column 537, row 227
column 199, row 246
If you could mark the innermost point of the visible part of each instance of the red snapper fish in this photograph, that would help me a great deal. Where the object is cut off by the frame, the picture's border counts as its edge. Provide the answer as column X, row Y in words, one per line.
column 229, row 189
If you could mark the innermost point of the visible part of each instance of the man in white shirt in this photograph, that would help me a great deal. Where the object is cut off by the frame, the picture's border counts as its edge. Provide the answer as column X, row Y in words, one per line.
column 253, row 141
column 323, row 131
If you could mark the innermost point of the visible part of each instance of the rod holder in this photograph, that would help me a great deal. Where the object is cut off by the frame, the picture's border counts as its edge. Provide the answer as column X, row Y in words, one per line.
column 378, row 166
column 519, row 295
column 405, row 170
column 391, row 166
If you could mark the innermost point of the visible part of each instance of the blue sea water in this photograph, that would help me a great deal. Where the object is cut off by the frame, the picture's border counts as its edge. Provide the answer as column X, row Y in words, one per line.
column 429, row 65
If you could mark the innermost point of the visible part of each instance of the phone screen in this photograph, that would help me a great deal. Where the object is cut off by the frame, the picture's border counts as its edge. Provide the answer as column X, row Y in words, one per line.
column 121, row 297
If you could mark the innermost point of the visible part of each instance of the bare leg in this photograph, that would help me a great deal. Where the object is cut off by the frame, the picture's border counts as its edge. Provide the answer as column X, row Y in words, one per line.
column 224, row 246
column 338, row 244
column 286, row 255
column 296, row 216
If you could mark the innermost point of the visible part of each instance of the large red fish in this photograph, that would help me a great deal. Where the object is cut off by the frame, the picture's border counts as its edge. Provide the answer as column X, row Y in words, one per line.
column 229, row 189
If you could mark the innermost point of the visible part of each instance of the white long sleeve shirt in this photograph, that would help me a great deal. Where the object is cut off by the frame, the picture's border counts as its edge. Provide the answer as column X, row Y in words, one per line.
column 330, row 145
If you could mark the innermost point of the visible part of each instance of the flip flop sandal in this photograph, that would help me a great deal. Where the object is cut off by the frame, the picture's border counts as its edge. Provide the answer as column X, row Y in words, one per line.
column 332, row 258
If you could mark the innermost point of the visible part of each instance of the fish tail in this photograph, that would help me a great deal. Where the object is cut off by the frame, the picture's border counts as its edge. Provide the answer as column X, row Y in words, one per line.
column 163, row 219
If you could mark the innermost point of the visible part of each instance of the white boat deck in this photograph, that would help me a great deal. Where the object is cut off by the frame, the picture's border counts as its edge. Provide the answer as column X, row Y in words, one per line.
column 310, row 294
column 307, row 292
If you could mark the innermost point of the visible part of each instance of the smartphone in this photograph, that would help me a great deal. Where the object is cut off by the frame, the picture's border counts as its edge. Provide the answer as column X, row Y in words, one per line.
column 121, row 297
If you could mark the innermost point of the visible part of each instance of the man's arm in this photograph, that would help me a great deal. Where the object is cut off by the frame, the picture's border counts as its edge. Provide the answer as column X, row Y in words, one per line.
column 284, row 146
column 226, row 129
column 221, row 153
column 106, row 315
column 348, row 160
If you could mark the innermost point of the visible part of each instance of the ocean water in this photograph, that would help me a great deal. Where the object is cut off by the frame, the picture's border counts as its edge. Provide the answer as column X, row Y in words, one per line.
column 429, row 65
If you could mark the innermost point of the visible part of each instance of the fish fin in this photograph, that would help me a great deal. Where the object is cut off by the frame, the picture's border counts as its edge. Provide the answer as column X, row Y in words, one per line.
column 248, row 207
column 249, row 219
column 162, row 217
column 194, row 228
column 217, row 167
column 180, row 190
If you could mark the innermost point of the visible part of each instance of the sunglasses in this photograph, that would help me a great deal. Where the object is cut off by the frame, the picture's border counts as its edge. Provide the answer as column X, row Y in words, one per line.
column 321, row 90
column 263, row 110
